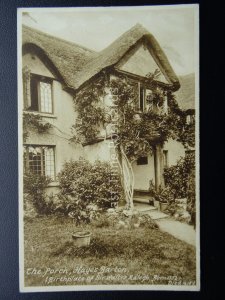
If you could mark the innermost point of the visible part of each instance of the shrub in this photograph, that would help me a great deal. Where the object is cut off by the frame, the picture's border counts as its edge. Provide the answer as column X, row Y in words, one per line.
column 34, row 186
column 191, row 205
column 85, row 186
column 180, row 179
column 163, row 194
column 119, row 220
column 177, row 177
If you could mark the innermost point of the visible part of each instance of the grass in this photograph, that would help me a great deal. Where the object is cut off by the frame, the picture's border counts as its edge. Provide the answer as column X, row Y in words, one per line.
column 115, row 256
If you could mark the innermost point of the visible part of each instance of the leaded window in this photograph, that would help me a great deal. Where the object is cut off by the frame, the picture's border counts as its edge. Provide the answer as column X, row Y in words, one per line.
column 45, row 96
column 37, row 93
column 40, row 160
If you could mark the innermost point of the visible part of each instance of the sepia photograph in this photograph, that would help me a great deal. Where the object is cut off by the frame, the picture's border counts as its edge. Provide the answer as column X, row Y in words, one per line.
column 108, row 116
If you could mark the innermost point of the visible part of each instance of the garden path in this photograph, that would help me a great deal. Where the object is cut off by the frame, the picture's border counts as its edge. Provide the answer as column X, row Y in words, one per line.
column 178, row 229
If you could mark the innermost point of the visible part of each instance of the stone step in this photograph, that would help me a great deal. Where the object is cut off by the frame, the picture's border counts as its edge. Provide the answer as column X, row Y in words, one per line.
column 144, row 207
column 143, row 199
column 156, row 215
column 141, row 193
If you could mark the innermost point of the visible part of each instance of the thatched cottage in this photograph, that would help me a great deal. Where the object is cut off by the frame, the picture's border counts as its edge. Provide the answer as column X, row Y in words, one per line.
column 54, row 70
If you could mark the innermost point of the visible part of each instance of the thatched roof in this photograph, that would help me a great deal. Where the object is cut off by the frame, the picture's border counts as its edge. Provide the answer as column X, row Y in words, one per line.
column 115, row 51
column 78, row 64
column 68, row 58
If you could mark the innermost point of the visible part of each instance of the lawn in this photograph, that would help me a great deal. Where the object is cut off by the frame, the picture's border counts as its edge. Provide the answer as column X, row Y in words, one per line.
column 115, row 256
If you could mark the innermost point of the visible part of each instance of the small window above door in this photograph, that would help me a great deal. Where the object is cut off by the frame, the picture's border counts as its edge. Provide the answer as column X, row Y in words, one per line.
column 142, row 160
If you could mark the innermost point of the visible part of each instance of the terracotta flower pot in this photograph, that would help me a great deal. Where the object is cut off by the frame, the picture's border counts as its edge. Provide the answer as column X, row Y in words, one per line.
column 81, row 238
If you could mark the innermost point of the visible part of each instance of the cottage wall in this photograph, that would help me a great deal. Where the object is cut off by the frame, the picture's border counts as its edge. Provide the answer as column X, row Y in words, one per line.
column 143, row 174
column 98, row 151
column 36, row 65
column 62, row 119
column 175, row 151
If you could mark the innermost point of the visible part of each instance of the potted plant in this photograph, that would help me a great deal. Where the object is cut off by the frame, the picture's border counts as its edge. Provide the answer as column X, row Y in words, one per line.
column 81, row 237
column 154, row 194
column 163, row 205
column 162, row 197
column 156, row 203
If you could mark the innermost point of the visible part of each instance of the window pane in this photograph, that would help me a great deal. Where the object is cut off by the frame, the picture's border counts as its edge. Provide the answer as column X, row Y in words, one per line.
column 46, row 97
column 49, row 165
column 40, row 160
column 141, row 98
column 34, row 94
column 34, row 161
column 149, row 100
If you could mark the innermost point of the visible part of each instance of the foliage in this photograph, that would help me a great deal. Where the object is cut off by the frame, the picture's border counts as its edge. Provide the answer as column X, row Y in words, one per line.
column 184, row 132
column 119, row 220
column 180, row 180
column 34, row 121
column 177, row 177
column 137, row 132
column 91, row 113
column 187, row 135
column 87, row 187
column 191, row 196
column 34, row 186
column 163, row 195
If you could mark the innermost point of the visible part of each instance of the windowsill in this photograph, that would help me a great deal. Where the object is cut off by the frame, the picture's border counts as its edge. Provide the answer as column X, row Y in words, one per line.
column 53, row 183
column 94, row 141
column 45, row 115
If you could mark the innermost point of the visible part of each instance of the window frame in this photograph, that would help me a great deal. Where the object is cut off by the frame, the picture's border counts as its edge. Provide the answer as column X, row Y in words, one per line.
column 154, row 107
column 27, row 160
column 143, row 96
column 38, row 79
column 190, row 118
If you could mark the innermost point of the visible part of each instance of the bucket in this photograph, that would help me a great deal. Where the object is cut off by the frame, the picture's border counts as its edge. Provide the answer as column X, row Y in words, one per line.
column 81, row 238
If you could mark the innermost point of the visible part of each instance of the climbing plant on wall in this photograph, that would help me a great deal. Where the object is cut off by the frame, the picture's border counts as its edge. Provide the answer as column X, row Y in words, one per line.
column 91, row 112
column 34, row 121
column 184, row 132
column 137, row 131
column 134, row 130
